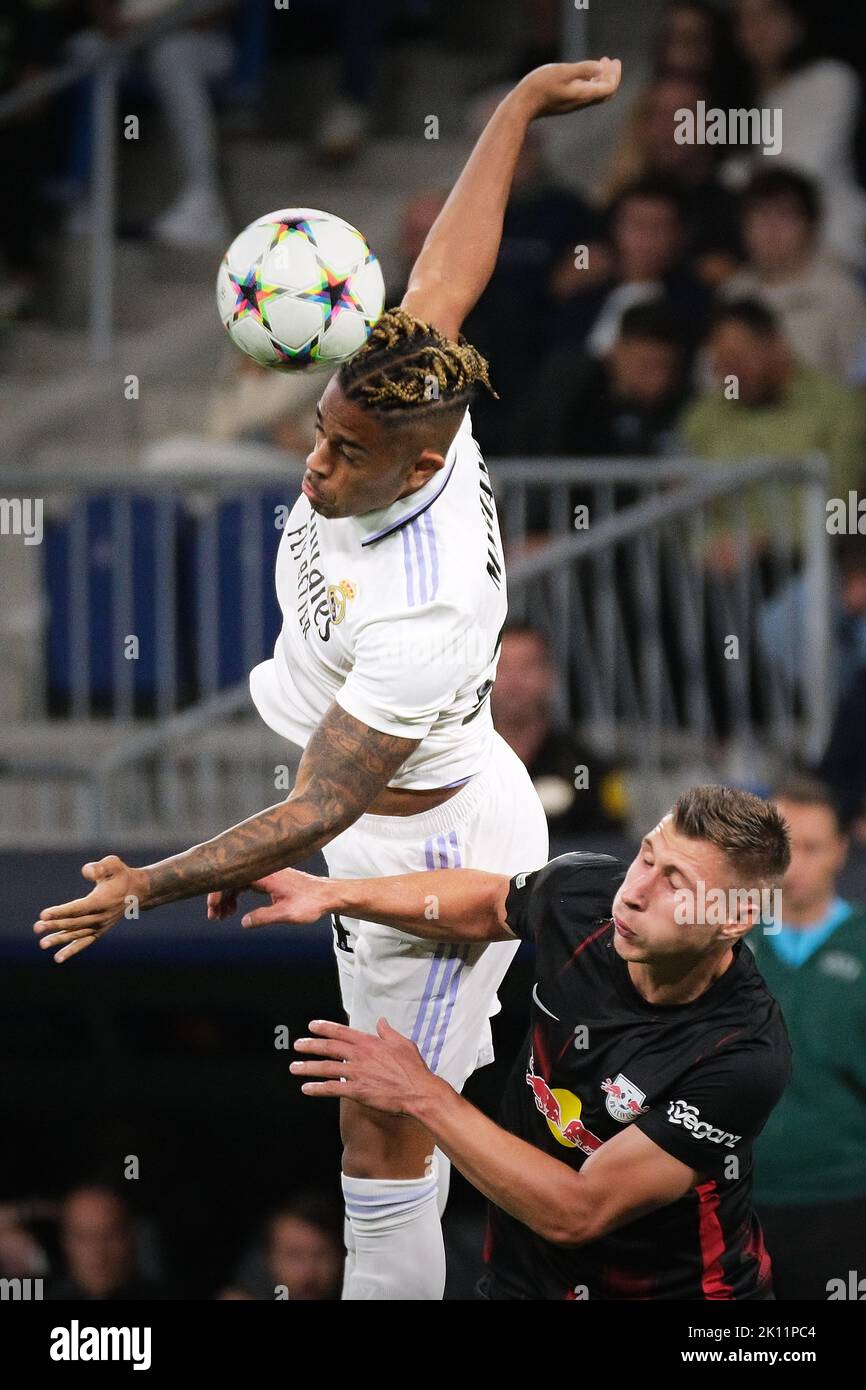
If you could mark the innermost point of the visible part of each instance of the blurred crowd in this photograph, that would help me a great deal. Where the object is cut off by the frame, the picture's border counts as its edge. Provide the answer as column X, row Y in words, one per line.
column 92, row 1245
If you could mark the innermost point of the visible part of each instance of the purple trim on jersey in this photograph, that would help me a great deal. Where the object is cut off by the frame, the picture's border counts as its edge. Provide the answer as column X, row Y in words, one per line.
column 420, row 508
column 420, row 562
column 407, row 565
column 415, row 530
column 426, row 523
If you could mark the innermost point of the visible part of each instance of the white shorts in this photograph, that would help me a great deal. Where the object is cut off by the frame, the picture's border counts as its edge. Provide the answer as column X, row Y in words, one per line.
column 441, row 995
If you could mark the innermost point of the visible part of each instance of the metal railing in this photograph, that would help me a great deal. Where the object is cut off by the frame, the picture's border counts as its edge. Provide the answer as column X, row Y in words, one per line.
column 636, row 617
column 650, row 619
column 105, row 68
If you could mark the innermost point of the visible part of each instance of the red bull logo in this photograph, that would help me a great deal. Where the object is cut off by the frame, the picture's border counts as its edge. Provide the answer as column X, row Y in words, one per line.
column 561, row 1109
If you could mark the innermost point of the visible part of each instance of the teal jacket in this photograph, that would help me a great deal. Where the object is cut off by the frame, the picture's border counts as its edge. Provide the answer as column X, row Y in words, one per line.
column 813, row 1147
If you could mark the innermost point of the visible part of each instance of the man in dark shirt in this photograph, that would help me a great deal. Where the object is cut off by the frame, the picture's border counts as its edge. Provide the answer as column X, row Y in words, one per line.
column 622, row 1166
column 626, row 402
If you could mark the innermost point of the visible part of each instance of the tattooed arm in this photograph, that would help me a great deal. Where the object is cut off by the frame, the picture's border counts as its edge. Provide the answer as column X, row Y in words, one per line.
column 344, row 767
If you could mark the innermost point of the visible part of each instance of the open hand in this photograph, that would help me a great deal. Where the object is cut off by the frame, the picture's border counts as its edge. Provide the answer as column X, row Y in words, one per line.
column 75, row 925
column 558, row 88
column 385, row 1071
column 295, row 897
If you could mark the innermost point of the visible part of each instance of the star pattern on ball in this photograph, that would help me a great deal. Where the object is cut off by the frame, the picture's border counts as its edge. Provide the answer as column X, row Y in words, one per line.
column 251, row 292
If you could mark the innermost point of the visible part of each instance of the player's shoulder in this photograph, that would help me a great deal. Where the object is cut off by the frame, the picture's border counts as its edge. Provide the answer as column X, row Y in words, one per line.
column 579, row 872
column 577, row 888
column 753, row 1045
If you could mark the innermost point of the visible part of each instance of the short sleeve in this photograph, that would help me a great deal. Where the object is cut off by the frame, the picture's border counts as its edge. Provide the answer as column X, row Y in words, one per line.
column 579, row 886
column 408, row 669
column 718, row 1109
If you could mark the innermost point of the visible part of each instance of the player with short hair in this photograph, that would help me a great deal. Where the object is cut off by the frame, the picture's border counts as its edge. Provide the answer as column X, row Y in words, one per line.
column 622, row 1167
column 390, row 577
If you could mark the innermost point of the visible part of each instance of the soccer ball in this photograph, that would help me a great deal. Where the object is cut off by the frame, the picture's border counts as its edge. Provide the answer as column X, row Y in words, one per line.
column 299, row 288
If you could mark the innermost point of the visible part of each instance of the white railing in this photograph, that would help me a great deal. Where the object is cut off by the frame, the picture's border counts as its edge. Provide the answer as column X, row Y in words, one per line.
column 638, row 623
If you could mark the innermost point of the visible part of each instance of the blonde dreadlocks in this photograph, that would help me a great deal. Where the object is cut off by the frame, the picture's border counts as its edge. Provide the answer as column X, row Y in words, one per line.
column 407, row 365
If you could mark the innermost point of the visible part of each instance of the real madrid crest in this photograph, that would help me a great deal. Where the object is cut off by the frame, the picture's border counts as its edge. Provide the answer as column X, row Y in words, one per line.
column 338, row 596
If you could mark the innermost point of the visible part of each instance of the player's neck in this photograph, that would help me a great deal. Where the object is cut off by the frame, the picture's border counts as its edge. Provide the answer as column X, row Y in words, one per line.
column 671, row 983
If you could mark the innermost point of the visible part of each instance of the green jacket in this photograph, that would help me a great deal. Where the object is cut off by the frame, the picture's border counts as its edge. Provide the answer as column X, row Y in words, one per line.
column 817, row 415
column 813, row 1148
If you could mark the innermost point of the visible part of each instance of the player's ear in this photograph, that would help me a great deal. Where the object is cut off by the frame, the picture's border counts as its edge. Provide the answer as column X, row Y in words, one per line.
column 427, row 463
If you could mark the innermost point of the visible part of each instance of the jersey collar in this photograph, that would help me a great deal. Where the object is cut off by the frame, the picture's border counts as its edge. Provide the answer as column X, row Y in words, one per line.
column 376, row 525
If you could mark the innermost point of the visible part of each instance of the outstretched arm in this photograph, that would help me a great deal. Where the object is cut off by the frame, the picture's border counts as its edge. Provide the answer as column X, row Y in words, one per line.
column 440, row 904
column 460, row 252
column 344, row 767
column 624, row 1179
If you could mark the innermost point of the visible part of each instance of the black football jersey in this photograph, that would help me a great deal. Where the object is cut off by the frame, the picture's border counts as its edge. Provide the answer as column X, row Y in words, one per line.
column 699, row 1079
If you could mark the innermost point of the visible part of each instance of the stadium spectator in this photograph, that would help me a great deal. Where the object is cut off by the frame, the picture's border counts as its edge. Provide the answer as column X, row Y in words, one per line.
column 417, row 216
column 649, row 149
column 99, row 1243
column 624, row 402
column 541, row 219
column 821, row 307
column 31, row 37
column 21, row 1254
column 695, row 40
column 843, row 765
column 300, row 1258
column 782, row 621
column 810, row 1160
column 360, row 30
column 181, row 66
column 764, row 402
column 648, row 240
column 581, row 793
column 819, row 99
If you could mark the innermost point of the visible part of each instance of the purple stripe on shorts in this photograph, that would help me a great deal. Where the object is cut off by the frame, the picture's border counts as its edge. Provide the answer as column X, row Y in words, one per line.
column 451, row 963
column 433, row 971
column 449, row 1008
column 458, row 862
column 438, row 986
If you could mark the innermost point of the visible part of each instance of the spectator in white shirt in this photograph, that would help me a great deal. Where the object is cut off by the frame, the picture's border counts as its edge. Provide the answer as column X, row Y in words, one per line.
column 819, row 99
column 818, row 301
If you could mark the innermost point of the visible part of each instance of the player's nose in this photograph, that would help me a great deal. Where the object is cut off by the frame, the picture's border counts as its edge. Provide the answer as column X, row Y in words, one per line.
column 318, row 460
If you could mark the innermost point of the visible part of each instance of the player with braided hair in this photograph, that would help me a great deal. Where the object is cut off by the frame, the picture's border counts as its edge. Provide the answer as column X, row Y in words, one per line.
column 405, row 361
column 390, row 578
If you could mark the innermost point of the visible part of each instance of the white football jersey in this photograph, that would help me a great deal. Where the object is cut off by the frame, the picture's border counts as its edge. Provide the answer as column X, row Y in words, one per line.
column 397, row 616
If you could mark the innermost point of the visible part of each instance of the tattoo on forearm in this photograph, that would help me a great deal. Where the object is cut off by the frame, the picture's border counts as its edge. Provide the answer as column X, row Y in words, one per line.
column 344, row 767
